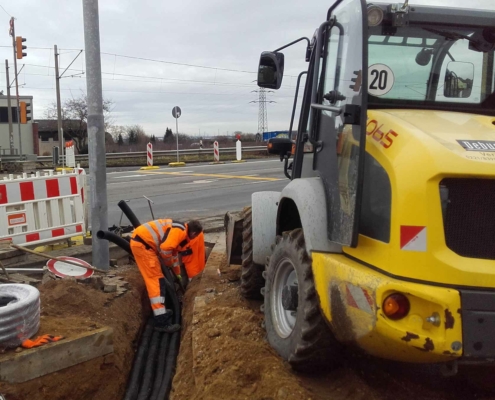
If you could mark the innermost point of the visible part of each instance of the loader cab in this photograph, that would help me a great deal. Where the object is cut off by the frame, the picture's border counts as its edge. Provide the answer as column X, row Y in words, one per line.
column 373, row 57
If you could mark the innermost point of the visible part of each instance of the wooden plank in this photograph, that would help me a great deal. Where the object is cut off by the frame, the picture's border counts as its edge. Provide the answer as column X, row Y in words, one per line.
column 52, row 357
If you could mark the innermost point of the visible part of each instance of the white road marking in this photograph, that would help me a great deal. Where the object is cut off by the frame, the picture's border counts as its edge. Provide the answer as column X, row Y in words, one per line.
column 199, row 182
column 128, row 176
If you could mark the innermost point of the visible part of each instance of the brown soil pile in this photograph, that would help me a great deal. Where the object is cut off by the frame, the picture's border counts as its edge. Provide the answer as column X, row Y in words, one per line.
column 69, row 308
column 231, row 359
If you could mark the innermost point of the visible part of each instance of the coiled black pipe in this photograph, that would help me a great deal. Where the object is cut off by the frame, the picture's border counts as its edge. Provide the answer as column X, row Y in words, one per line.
column 141, row 355
column 149, row 368
column 128, row 213
column 112, row 237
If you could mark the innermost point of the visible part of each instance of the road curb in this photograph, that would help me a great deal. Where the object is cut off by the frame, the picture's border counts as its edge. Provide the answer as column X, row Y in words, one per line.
column 148, row 168
column 177, row 164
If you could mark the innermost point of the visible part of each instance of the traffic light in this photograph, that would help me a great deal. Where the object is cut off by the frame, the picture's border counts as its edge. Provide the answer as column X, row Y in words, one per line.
column 25, row 112
column 19, row 47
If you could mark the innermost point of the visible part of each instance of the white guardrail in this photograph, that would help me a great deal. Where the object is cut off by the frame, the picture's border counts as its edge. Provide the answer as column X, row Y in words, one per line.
column 158, row 153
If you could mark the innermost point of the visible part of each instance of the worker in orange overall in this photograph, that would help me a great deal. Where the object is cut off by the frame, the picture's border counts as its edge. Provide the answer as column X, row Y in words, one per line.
column 166, row 239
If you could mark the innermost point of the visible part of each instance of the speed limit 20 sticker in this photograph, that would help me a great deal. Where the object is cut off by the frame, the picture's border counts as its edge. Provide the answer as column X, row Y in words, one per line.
column 380, row 80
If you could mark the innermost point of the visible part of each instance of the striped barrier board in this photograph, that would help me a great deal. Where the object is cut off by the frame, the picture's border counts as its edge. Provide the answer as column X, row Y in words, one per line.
column 41, row 209
column 149, row 154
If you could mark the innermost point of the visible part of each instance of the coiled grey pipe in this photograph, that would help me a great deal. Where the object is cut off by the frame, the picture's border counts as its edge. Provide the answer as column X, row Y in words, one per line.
column 112, row 237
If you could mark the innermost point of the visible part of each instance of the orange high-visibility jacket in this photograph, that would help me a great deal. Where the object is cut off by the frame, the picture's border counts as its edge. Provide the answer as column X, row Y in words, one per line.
column 166, row 237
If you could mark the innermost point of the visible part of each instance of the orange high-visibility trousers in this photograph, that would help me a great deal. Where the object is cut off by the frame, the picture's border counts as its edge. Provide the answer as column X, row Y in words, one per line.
column 149, row 266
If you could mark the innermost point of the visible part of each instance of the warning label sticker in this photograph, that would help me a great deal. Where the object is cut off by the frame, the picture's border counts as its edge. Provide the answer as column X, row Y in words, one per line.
column 477, row 145
column 413, row 238
column 16, row 219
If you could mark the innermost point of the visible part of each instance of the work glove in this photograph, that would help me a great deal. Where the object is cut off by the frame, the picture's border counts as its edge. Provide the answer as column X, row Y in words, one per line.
column 40, row 341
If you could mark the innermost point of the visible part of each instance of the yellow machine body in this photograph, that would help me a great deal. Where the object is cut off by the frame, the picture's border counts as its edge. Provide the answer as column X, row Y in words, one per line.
column 417, row 149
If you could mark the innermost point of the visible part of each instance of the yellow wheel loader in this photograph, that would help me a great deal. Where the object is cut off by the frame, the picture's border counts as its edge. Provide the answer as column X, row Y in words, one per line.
column 384, row 239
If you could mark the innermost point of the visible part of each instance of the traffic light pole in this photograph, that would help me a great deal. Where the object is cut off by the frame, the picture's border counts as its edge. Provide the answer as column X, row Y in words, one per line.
column 9, row 110
column 59, row 105
column 16, row 86
column 96, row 133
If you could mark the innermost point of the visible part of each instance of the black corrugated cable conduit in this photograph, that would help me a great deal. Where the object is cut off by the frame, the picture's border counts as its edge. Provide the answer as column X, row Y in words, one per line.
column 155, row 360
column 134, row 381
column 173, row 350
column 128, row 213
column 149, row 367
column 160, row 365
column 112, row 237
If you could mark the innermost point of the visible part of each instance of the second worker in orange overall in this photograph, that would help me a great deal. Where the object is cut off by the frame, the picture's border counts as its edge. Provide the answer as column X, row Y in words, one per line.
column 162, row 238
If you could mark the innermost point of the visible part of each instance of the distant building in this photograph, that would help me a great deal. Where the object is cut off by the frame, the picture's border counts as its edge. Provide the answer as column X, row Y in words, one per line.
column 29, row 135
column 48, row 134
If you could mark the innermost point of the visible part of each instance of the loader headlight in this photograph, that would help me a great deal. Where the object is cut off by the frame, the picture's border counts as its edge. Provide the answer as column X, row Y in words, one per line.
column 396, row 306
column 375, row 15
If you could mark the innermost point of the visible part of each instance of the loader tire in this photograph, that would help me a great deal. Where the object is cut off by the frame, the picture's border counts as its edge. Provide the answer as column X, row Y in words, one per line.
column 19, row 313
column 295, row 327
column 251, row 274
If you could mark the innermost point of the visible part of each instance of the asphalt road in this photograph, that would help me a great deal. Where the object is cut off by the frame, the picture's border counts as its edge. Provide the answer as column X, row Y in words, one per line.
column 196, row 190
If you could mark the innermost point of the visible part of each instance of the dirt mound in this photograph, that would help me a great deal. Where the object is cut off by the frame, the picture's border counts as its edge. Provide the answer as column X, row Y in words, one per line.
column 231, row 359
column 224, row 355
column 68, row 308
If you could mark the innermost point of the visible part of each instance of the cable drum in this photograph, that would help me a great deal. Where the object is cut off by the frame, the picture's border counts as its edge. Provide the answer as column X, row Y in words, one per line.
column 19, row 313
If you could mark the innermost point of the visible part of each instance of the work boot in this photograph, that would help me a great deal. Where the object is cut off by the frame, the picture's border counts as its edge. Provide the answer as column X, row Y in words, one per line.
column 163, row 323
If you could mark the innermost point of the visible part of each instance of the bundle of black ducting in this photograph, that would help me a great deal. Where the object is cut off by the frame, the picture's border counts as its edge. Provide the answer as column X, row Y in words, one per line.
column 156, row 356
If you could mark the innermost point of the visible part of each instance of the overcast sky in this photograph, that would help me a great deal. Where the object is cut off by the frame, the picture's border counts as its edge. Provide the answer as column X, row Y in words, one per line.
column 219, row 34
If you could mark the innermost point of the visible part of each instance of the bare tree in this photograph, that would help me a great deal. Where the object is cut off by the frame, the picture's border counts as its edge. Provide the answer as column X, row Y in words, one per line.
column 75, row 119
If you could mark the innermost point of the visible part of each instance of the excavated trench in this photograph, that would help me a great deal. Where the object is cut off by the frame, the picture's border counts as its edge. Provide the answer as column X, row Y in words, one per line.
column 143, row 362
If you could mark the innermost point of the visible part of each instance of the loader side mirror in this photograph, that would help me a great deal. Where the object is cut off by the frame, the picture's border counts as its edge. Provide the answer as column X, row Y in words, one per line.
column 280, row 146
column 458, row 80
column 271, row 70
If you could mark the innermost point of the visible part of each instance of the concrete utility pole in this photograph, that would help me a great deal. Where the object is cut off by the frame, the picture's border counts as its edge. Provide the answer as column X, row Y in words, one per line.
column 9, row 110
column 12, row 25
column 59, row 104
column 96, row 133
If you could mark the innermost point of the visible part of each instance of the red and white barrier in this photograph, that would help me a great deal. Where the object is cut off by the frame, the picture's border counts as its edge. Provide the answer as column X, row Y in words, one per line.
column 82, row 181
column 149, row 154
column 216, row 151
column 70, row 154
column 41, row 209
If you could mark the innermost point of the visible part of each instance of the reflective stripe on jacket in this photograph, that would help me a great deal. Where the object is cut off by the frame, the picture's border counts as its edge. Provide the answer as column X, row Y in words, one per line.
column 166, row 237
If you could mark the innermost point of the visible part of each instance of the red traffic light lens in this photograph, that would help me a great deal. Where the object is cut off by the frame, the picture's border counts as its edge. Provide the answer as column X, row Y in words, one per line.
column 396, row 306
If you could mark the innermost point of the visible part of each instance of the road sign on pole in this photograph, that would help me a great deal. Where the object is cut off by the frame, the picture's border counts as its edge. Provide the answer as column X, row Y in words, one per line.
column 176, row 113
